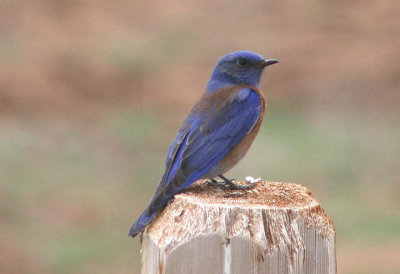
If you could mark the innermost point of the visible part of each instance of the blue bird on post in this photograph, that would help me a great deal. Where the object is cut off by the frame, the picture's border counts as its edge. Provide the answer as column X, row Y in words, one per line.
column 217, row 132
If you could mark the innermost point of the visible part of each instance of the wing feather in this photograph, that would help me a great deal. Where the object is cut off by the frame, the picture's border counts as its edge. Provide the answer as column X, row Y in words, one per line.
column 205, row 138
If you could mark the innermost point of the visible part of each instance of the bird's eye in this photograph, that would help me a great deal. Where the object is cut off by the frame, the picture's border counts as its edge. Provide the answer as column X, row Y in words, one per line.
column 242, row 62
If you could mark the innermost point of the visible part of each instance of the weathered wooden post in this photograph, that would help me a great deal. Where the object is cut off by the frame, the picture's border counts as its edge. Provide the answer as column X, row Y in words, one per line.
column 272, row 228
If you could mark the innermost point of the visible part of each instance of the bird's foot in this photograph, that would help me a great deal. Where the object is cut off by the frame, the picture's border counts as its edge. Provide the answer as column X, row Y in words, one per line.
column 232, row 185
column 226, row 184
column 221, row 184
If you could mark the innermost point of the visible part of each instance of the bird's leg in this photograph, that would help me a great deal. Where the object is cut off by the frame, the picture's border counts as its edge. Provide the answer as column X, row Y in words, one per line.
column 232, row 185
column 221, row 184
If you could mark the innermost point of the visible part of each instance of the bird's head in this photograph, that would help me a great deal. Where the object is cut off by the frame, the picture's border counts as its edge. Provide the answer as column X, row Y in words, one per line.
column 236, row 68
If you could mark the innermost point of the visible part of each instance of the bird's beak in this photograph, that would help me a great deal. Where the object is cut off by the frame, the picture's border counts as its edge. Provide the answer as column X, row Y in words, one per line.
column 266, row 63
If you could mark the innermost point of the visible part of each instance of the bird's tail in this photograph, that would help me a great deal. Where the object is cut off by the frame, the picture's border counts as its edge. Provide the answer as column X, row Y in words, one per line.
column 157, row 203
column 141, row 223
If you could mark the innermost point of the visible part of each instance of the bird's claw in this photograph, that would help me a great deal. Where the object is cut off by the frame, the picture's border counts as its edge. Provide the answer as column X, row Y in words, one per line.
column 232, row 185
column 227, row 184
column 220, row 184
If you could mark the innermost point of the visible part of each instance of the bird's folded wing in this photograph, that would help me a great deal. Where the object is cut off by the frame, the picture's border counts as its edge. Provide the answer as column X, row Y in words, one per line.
column 205, row 139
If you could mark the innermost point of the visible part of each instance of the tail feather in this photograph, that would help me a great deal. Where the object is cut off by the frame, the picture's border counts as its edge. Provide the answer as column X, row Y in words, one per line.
column 157, row 204
column 141, row 223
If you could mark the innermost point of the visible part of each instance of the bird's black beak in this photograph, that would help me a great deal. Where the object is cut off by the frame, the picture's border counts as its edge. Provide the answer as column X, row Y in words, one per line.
column 266, row 63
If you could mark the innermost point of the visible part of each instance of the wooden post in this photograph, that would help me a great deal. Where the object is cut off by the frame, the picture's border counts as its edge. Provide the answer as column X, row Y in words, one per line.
column 272, row 228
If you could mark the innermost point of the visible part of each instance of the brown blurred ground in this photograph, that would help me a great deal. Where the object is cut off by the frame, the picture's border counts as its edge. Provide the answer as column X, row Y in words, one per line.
column 92, row 93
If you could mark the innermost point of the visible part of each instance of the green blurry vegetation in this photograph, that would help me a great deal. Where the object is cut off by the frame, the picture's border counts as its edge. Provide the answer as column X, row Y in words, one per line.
column 71, row 192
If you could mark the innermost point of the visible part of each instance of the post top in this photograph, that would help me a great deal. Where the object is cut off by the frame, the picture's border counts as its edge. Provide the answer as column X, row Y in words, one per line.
column 268, row 207
column 271, row 226
column 264, row 194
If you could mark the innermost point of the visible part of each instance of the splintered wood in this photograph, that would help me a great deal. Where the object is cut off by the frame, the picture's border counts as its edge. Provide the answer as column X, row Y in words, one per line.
column 272, row 228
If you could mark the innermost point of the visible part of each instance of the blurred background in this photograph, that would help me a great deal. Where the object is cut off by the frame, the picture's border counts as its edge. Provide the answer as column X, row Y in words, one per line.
column 93, row 92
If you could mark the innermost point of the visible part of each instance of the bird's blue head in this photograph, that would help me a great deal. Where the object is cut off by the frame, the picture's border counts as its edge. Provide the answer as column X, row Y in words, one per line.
column 236, row 68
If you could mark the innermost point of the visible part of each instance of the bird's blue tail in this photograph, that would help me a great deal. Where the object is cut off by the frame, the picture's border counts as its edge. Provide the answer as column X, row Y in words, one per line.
column 141, row 223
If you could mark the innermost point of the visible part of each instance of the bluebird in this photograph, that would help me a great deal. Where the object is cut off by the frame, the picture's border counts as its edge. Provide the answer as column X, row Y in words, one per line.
column 217, row 132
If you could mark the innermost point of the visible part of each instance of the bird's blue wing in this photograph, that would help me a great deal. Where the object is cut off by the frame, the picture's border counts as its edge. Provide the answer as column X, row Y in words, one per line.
column 222, row 131
column 206, row 137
